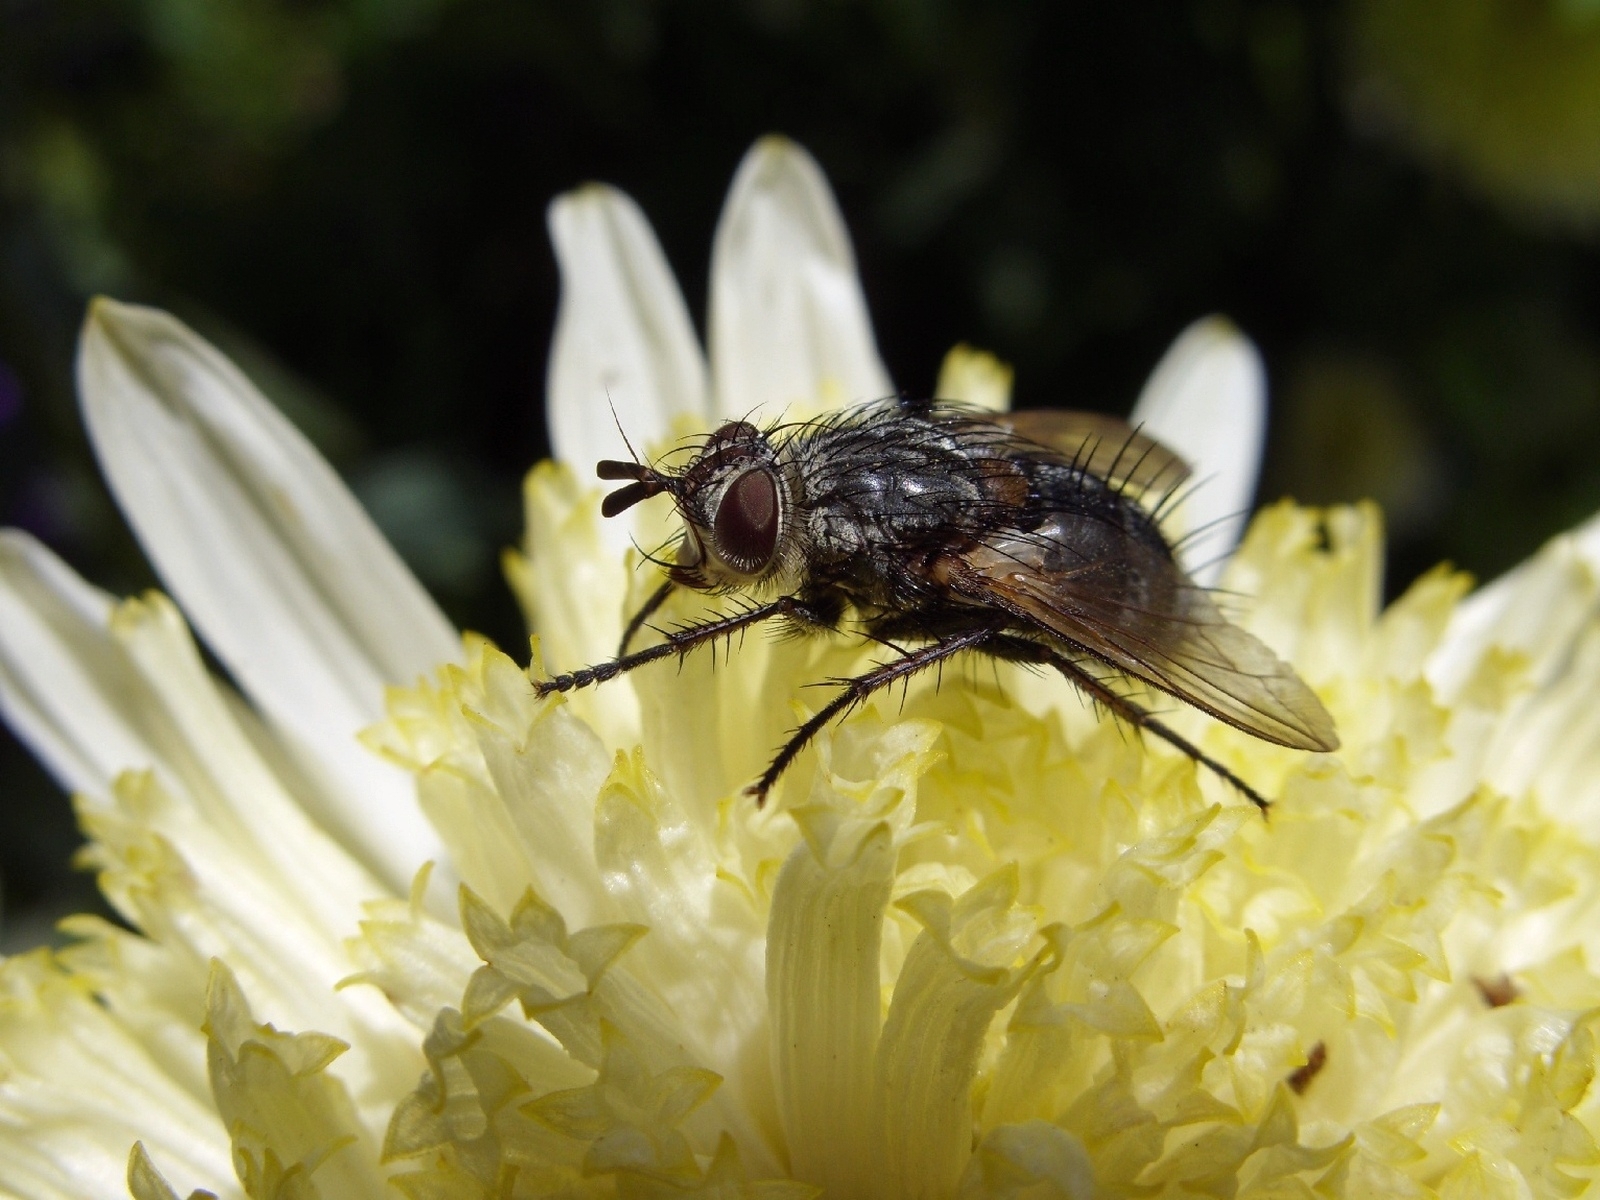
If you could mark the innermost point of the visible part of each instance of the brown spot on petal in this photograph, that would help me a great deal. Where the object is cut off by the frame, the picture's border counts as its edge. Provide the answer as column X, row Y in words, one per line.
column 1497, row 992
column 1300, row 1079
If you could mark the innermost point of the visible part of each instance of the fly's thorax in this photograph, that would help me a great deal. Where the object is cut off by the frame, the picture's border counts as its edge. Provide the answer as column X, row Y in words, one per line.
column 910, row 484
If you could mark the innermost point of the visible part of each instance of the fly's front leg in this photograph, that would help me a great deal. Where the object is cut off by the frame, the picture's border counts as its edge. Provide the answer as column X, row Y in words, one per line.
column 682, row 641
column 1022, row 650
column 858, row 689
column 679, row 642
column 648, row 610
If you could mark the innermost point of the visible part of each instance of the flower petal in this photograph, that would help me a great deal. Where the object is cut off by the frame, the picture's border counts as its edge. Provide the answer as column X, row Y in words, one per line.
column 958, row 974
column 207, row 853
column 661, row 872
column 271, row 557
column 1207, row 400
column 1536, row 609
column 624, row 351
column 823, row 994
column 99, row 691
column 566, row 578
column 79, row 1084
column 789, row 323
column 66, row 687
column 1014, row 1160
column 289, row 1116
column 233, row 802
column 510, row 778
column 210, row 857
column 975, row 377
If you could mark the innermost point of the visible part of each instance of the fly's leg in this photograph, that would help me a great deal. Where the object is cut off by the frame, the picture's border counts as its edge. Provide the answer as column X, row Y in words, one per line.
column 1130, row 712
column 858, row 689
column 679, row 642
column 657, row 599
column 1022, row 650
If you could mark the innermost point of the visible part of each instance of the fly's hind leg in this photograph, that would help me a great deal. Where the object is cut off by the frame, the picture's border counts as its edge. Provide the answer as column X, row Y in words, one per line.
column 1023, row 650
column 858, row 689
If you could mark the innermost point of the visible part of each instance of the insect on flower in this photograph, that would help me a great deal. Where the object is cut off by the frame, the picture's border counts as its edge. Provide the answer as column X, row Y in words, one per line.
column 928, row 525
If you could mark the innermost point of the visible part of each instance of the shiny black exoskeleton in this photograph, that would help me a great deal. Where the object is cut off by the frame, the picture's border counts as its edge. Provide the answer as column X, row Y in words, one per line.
column 1023, row 536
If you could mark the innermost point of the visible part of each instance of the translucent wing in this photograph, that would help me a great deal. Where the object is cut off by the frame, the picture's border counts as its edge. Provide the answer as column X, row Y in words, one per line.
column 1106, row 446
column 1097, row 586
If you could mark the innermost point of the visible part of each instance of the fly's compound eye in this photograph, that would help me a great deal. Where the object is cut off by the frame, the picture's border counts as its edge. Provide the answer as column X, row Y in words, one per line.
column 732, row 432
column 746, row 525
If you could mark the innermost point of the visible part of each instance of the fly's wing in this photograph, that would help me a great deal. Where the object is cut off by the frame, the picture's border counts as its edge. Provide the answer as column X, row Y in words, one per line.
column 1106, row 447
column 1095, row 585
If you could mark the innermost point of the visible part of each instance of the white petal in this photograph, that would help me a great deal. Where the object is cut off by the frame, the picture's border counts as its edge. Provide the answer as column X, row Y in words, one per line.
column 271, row 557
column 789, row 323
column 1207, row 400
column 259, row 883
column 79, row 1085
column 66, row 687
column 1513, row 610
column 232, row 791
column 624, row 351
column 96, row 692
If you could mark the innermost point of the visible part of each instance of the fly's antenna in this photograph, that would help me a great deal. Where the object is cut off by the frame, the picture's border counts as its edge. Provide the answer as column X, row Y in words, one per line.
column 647, row 482
column 632, row 453
column 621, row 432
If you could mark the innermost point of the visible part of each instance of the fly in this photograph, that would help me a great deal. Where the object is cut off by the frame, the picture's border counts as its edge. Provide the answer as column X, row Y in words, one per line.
column 948, row 530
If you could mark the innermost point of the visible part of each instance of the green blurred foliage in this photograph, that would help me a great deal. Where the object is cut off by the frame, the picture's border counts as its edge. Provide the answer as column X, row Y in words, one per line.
column 1507, row 92
column 348, row 195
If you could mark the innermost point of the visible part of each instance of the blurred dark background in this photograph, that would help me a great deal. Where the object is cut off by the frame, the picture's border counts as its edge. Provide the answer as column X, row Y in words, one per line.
column 1396, row 198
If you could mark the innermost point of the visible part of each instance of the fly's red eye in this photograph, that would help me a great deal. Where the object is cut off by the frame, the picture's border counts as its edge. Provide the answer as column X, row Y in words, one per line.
column 746, row 525
column 733, row 431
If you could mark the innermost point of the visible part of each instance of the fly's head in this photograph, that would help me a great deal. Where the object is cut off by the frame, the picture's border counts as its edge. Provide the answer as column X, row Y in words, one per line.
column 734, row 503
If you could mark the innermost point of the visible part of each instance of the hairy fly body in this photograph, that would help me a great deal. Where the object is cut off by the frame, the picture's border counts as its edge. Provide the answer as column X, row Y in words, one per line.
column 937, row 530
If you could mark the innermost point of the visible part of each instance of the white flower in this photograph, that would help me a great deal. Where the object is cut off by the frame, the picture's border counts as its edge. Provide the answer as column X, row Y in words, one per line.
column 979, row 945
